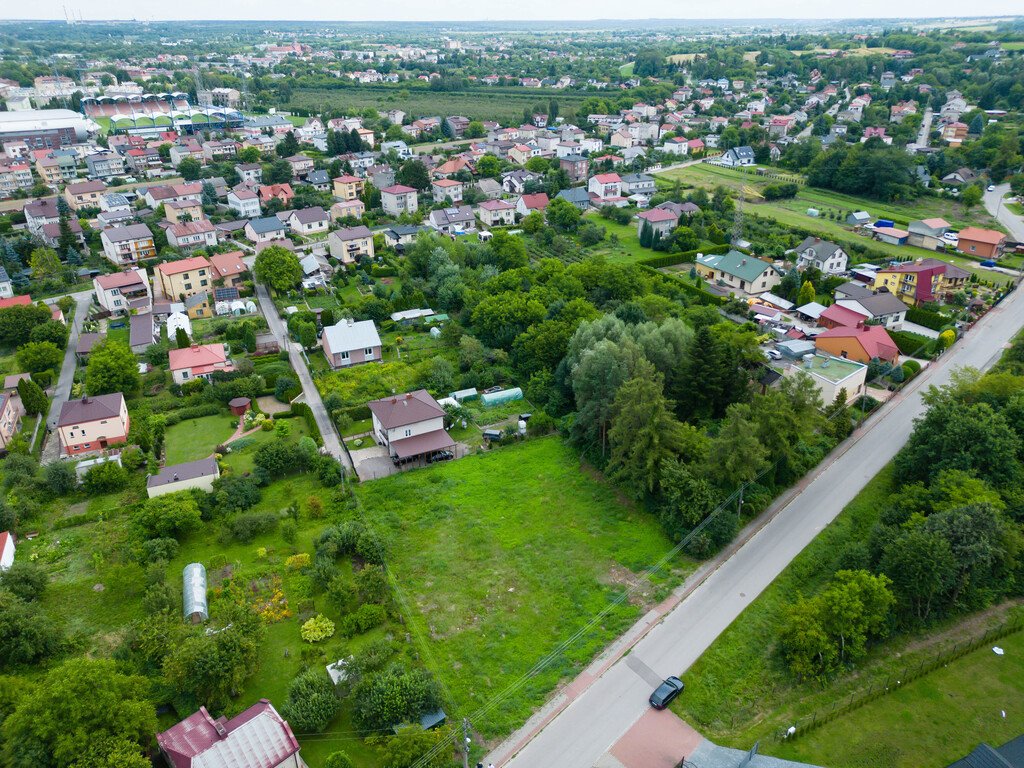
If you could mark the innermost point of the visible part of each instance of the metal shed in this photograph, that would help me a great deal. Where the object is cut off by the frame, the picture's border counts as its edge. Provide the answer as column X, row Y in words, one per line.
column 194, row 602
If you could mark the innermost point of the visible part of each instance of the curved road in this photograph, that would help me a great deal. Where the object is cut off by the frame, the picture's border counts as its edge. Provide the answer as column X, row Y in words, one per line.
column 997, row 208
column 585, row 722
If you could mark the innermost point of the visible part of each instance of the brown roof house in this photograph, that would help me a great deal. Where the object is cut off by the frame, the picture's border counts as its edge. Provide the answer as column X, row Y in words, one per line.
column 256, row 738
column 93, row 423
column 409, row 425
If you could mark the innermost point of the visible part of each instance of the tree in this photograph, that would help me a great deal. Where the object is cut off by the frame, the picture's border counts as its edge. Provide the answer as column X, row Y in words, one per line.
column 33, row 398
column 977, row 125
column 736, row 455
column 213, row 668
column 169, row 515
column 563, row 215
column 288, row 145
column 60, row 477
column 278, row 267
column 412, row 746
column 338, row 760
column 489, row 167
column 971, row 196
column 76, row 707
column 921, row 567
column 475, row 130
column 856, row 608
column 25, row 580
column 112, row 368
column 190, row 169
column 278, row 172
column 38, row 356
column 26, row 633
column 249, row 155
column 645, row 434
column 649, row 62
column 646, row 234
column 394, row 695
column 181, row 338
column 806, row 646
column 311, row 703
column 508, row 251
column 44, row 263
column 807, row 294
column 17, row 322
column 413, row 173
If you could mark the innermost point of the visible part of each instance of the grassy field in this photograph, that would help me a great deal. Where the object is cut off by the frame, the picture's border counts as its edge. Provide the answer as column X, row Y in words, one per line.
column 194, row 439
column 932, row 721
column 483, row 103
column 500, row 557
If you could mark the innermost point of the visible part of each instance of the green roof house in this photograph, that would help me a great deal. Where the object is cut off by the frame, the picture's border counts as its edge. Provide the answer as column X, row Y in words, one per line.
column 736, row 272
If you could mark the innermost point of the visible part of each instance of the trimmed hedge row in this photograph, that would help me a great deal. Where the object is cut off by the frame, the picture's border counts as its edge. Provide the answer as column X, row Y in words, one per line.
column 303, row 411
column 913, row 344
column 927, row 318
column 671, row 259
column 195, row 412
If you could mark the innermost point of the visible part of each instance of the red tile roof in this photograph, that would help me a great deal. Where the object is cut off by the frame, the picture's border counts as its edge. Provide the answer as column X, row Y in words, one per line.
column 843, row 316
column 873, row 339
column 14, row 301
column 197, row 357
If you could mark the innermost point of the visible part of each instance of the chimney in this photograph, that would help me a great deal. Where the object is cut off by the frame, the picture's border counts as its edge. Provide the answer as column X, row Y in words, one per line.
column 218, row 725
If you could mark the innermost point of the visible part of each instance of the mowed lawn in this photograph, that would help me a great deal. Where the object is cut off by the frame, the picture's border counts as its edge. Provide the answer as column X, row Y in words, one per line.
column 500, row 557
column 194, row 439
column 932, row 721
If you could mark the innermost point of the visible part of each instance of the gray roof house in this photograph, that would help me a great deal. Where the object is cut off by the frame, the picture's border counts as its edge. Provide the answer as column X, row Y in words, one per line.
column 180, row 477
column 578, row 196
column 823, row 255
column 451, row 220
column 141, row 332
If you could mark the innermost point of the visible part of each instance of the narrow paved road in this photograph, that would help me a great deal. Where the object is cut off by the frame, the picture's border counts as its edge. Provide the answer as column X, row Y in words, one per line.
column 996, row 207
column 309, row 391
column 596, row 718
column 924, row 132
column 67, row 369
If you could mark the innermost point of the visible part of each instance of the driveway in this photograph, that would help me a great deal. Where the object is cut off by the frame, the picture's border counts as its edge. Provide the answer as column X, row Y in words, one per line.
column 576, row 727
column 310, row 394
column 373, row 462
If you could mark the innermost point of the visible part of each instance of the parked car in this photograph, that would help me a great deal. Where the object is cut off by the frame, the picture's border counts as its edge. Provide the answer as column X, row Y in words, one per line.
column 991, row 187
column 988, row 263
column 666, row 692
column 773, row 354
column 953, row 237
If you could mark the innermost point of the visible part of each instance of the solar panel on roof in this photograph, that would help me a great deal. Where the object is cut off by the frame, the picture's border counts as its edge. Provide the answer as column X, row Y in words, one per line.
column 225, row 294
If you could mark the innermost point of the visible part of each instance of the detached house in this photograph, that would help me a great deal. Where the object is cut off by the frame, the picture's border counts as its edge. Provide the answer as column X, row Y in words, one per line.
column 264, row 230
column 244, row 201
column 308, row 221
column 121, row 292
column 84, row 194
column 823, row 255
column 660, row 220
column 190, row 235
column 351, row 244
column 93, row 424
column 399, row 199
column 862, row 343
column 409, row 425
column 351, row 342
column 496, row 213
column 198, row 361
column 737, row 156
column 126, row 245
column 11, row 411
column 921, row 281
column 229, row 268
column 282, row 192
column 986, row 243
column 348, row 187
column 301, row 165
column 256, row 738
column 527, row 204
column 746, row 275
column 184, row 278
column 447, row 190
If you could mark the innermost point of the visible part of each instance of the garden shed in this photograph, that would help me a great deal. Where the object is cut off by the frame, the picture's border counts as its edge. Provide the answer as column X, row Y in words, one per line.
column 195, row 606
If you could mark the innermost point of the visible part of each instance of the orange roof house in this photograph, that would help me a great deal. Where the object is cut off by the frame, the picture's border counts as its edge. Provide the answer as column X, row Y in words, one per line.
column 986, row 243
column 862, row 343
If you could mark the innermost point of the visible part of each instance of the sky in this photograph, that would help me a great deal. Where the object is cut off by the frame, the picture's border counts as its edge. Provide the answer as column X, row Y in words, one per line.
column 480, row 10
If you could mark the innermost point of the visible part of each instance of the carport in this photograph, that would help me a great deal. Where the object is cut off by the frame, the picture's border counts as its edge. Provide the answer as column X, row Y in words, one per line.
column 411, row 448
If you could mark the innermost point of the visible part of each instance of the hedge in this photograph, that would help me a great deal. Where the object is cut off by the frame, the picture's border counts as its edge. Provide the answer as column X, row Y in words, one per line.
column 671, row 259
column 913, row 343
column 700, row 296
column 927, row 318
column 195, row 412
column 303, row 411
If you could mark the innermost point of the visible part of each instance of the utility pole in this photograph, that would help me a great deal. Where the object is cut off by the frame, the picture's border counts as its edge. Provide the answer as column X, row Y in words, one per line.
column 465, row 742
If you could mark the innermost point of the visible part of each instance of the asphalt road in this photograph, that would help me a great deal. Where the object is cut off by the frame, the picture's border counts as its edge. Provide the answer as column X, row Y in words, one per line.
column 310, row 393
column 996, row 207
column 67, row 369
column 598, row 717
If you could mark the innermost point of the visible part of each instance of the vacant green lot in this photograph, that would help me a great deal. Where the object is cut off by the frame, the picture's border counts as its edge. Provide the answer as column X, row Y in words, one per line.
column 502, row 556
column 482, row 103
column 197, row 438
column 930, row 722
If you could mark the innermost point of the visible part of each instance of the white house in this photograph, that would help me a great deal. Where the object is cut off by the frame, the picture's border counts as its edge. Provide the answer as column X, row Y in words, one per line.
column 409, row 425
column 823, row 255
column 121, row 292
column 182, row 477
column 245, row 202
column 737, row 156
column 399, row 199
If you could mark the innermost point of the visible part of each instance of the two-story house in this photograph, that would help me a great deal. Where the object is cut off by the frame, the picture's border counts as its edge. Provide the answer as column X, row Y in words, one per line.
column 228, row 268
column 178, row 211
column 190, row 235
column 308, row 221
column 605, row 189
column 93, row 423
column 348, row 187
column 264, row 230
column 244, row 201
column 399, row 199
column 351, row 342
column 128, row 244
column 105, row 164
column 825, row 256
column 121, row 292
column 447, row 190
column 177, row 280
column 351, row 244
column 199, row 361
column 496, row 213
column 409, row 425
column 84, row 194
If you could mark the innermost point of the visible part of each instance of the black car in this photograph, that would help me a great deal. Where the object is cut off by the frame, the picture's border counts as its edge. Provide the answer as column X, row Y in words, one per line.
column 665, row 692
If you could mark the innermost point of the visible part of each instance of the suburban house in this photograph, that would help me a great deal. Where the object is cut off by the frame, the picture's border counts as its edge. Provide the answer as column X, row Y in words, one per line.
column 264, row 230
column 839, row 316
column 447, row 190
column 182, row 477
column 823, row 255
column 831, row 375
column 6, row 550
column 605, row 189
column 11, row 411
column 399, row 199
column 660, row 220
column 198, row 305
column 881, row 307
column 350, row 244
column 179, row 279
column 178, row 211
column 120, row 292
column 84, row 194
column 348, row 209
column 450, row 221
column 128, row 244
column 40, row 212
column 348, row 187
column 51, row 233
column 927, row 233
column 921, row 281
column 165, row 193
column 527, row 204
column 986, row 243
column 308, row 221
column 747, row 275
column 737, row 156
column 576, row 167
column 351, row 342
column 105, row 164
column 398, row 236
column 249, row 172
column 258, row 737
column 496, row 213
column 244, row 201
column 862, row 343
column 190, row 235
column 409, row 425
column 93, row 423
column 229, row 268
column 638, row 184
column 198, row 361
column 282, row 192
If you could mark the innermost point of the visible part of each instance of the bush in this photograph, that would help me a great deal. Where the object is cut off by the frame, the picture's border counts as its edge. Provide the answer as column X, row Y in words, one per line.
column 236, row 494
column 372, row 583
column 396, row 695
column 25, row 580
column 317, row 629
column 26, row 633
column 338, row 760
column 106, row 477
column 364, row 619
column 913, row 343
column 311, row 702
column 780, row 191
column 170, row 515
column 248, row 526
column 298, row 562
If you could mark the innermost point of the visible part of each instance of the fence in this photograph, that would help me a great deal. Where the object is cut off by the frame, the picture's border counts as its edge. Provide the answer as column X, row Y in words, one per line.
column 893, row 681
